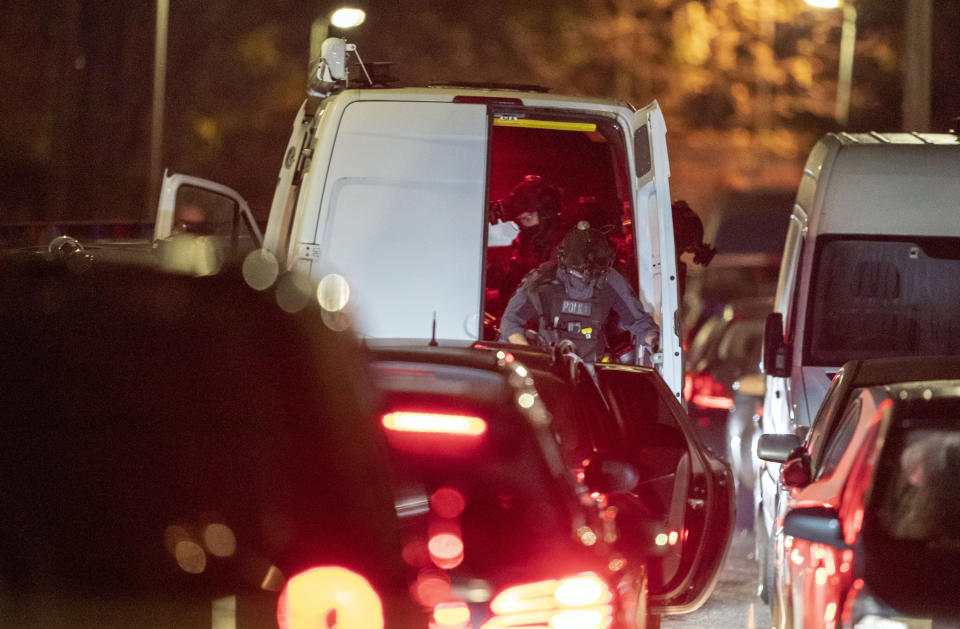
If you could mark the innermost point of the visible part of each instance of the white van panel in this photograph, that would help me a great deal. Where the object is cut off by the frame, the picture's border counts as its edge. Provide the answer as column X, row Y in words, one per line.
column 402, row 217
column 875, row 190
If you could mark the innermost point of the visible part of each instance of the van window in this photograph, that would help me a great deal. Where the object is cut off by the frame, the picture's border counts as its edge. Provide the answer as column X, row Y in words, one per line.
column 874, row 297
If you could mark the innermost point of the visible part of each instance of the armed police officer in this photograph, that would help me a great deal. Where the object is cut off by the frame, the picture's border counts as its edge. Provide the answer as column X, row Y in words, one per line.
column 573, row 297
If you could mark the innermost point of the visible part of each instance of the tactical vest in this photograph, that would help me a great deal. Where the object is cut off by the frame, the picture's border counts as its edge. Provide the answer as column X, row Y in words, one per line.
column 578, row 320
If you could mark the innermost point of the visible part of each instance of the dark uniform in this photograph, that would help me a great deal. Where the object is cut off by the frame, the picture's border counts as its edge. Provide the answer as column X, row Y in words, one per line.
column 573, row 297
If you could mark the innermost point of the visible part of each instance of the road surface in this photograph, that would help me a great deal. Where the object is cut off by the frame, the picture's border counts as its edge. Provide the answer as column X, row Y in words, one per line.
column 734, row 603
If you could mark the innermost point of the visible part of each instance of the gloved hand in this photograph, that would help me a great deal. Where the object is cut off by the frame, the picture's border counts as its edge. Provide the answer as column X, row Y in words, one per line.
column 652, row 339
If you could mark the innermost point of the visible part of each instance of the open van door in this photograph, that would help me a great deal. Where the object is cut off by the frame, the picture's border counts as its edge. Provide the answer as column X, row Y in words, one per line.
column 205, row 208
column 653, row 216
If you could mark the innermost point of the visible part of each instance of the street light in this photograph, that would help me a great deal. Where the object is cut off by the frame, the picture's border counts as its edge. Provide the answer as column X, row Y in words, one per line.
column 848, row 38
column 344, row 17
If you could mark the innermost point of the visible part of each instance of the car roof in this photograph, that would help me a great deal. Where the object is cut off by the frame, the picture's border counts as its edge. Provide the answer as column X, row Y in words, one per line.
column 877, row 371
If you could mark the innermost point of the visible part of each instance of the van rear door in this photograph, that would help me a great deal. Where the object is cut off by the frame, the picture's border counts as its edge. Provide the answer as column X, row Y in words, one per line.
column 401, row 217
column 656, row 248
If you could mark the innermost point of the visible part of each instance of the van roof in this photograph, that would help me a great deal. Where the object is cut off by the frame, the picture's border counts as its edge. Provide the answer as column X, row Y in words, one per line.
column 887, row 183
column 530, row 96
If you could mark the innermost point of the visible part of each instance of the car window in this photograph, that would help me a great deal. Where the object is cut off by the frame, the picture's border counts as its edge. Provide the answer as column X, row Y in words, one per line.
column 652, row 438
column 837, row 445
column 922, row 499
column 579, row 414
column 825, row 421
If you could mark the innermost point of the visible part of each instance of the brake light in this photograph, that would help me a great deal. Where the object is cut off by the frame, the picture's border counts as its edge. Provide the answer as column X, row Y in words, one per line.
column 329, row 596
column 451, row 615
column 581, row 601
column 436, row 423
column 706, row 392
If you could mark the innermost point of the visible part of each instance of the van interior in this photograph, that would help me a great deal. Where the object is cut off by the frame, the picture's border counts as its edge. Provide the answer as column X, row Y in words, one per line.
column 585, row 158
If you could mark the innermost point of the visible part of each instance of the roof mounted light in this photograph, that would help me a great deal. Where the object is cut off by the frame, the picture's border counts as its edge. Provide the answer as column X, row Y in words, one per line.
column 347, row 17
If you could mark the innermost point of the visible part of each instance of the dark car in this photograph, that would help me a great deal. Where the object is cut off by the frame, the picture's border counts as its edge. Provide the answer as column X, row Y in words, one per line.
column 871, row 532
column 724, row 391
column 748, row 228
column 180, row 452
column 524, row 471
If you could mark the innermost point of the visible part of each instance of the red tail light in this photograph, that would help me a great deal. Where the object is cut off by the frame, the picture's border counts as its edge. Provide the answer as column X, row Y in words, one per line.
column 329, row 596
column 703, row 390
column 581, row 602
column 435, row 423
column 451, row 615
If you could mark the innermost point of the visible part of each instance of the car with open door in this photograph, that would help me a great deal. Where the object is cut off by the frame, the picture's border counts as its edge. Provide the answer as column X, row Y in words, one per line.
column 521, row 471
column 394, row 190
column 855, row 536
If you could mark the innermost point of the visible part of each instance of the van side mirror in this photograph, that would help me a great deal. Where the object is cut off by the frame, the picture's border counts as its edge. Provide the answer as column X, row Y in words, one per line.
column 776, row 351
column 777, row 448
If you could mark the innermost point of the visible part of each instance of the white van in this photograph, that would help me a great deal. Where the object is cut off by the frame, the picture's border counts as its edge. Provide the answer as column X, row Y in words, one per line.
column 392, row 188
column 871, row 268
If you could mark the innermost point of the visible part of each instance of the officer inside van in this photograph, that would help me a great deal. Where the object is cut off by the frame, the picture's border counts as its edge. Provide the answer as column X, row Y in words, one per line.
column 573, row 297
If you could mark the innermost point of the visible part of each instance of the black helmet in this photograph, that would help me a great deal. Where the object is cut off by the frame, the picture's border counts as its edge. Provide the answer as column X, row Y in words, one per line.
column 585, row 251
column 532, row 195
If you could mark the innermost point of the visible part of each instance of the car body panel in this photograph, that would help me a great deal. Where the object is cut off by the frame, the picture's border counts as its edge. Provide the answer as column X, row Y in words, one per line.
column 851, row 414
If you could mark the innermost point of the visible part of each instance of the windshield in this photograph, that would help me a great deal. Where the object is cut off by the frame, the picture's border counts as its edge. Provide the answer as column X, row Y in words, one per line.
column 874, row 297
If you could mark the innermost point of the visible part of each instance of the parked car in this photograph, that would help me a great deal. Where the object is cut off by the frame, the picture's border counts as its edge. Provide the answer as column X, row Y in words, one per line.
column 180, row 452
column 721, row 393
column 871, row 268
column 870, row 527
column 558, row 469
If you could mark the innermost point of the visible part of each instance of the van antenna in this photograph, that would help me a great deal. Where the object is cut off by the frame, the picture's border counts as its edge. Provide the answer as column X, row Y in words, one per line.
column 433, row 333
column 353, row 48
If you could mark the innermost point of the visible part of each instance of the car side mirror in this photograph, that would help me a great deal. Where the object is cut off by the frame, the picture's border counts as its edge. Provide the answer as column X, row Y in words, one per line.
column 777, row 448
column 815, row 524
column 610, row 476
column 776, row 351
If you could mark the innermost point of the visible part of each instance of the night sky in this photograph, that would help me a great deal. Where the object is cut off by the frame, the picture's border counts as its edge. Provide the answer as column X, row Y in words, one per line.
column 752, row 80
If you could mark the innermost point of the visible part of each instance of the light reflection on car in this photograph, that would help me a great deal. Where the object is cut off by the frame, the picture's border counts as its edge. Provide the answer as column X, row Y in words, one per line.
column 870, row 535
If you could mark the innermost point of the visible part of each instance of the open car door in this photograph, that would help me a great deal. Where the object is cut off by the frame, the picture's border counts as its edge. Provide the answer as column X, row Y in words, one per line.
column 190, row 205
column 681, row 513
column 656, row 248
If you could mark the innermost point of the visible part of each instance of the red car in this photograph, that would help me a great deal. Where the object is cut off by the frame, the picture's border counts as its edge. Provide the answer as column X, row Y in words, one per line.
column 870, row 534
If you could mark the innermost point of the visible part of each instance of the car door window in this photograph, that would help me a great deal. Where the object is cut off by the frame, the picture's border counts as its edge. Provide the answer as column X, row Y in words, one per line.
column 837, row 445
column 825, row 421
column 651, row 437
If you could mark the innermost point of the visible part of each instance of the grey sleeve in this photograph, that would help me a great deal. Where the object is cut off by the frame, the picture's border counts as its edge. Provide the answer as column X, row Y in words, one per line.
column 518, row 311
column 632, row 315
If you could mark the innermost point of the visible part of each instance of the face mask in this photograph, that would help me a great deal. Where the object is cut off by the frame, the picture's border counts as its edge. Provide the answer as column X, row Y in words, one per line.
column 576, row 287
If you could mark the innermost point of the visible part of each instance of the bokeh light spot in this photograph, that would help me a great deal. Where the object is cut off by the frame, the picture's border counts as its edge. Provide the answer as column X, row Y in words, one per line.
column 260, row 269
column 447, row 502
column 220, row 540
column 293, row 292
column 333, row 292
column 190, row 557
